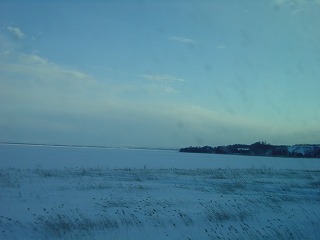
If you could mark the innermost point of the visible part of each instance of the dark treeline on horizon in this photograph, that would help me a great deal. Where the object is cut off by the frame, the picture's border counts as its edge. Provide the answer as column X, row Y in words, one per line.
column 260, row 149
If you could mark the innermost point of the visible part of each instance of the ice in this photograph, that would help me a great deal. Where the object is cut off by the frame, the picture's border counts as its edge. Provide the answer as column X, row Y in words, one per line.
column 85, row 193
column 61, row 157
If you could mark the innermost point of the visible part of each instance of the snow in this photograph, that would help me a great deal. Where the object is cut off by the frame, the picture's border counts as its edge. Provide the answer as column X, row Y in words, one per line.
column 85, row 193
column 61, row 157
column 303, row 149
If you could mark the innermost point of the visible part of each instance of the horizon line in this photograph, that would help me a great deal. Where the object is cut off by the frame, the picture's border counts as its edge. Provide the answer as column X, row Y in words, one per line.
column 86, row 146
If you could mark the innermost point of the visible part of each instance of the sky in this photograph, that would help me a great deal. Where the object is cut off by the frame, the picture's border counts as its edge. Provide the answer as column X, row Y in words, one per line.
column 160, row 73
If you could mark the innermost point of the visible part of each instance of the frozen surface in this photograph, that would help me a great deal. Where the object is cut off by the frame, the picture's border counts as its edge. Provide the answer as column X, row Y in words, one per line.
column 68, row 193
column 60, row 157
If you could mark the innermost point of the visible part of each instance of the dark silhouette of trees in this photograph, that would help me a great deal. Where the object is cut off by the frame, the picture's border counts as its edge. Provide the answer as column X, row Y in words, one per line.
column 280, row 151
column 261, row 148
column 205, row 149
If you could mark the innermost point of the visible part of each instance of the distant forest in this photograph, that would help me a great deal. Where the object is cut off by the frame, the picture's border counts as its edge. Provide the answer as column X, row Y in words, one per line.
column 260, row 149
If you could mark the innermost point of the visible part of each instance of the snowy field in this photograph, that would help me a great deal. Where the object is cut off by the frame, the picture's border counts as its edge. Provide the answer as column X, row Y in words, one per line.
column 86, row 193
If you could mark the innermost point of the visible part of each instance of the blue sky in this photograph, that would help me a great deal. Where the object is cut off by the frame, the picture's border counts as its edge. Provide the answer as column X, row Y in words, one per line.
column 160, row 73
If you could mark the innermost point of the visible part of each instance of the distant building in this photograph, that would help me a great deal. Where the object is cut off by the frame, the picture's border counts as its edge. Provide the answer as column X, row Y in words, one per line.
column 243, row 150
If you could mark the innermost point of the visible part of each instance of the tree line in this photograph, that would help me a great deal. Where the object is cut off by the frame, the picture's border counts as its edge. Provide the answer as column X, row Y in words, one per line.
column 261, row 148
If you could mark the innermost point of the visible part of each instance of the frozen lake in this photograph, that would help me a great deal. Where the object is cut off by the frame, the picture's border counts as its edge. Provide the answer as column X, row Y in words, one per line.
column 19, row 156
column 92, row 193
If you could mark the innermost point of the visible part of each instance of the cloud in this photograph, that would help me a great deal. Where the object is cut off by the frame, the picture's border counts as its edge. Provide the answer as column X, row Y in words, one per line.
column 280, row 2
column 221, row 47
column 183, row 40
column 170, row 90
column 41, row 101
column 33, row 68
column 162, row 78
column 32, row 59
column 290, row 2
column 296, row 6
column 16, row 32
column 163, row 82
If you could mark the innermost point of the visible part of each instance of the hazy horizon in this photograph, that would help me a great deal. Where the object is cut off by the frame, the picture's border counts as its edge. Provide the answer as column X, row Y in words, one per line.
column 160, row 73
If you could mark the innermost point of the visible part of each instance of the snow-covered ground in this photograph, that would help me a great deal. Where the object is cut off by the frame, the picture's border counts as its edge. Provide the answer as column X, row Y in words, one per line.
column 81, row 193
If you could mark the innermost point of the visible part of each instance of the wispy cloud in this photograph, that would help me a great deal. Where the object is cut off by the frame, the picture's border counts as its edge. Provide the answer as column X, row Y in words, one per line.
column 183, row 40
column 162, row 82
column 221, row 47
column 162, row 78
column 296, row 6
column 16, row 32
column 71, row 107
column 41, row 75
column 32, row 59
